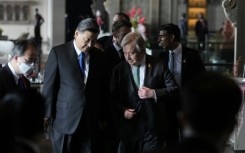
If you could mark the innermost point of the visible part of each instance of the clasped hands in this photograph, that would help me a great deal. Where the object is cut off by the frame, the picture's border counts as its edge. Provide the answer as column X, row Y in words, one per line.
column 143, row 93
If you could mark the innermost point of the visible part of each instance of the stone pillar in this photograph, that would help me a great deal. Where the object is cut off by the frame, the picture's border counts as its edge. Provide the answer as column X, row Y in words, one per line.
column 154, row 15
column 112, row 7
column 56, row 22
column 240, row 36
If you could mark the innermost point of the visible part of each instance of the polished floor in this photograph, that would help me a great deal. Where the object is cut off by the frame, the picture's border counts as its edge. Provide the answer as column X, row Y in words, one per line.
column 45, row 144
column 45, row 147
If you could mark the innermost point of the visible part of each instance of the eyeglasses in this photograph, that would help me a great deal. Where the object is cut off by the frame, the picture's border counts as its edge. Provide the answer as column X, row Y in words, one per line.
column 31, row 61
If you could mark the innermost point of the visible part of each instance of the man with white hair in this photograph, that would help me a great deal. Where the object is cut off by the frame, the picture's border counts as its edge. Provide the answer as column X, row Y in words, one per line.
column 140, row 86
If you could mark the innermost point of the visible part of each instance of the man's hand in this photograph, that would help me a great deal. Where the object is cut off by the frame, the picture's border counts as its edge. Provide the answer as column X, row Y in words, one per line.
column 145, row 93
column 129, row 113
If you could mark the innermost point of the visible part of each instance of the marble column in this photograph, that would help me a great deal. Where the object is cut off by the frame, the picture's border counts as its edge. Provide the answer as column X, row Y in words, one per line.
column 154, row 15
column 240, row 36
column 56, row 22
column 112, row 7
column 233, row 11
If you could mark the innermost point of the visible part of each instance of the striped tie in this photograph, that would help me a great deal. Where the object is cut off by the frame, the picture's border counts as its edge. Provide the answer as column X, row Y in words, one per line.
column 171, row 62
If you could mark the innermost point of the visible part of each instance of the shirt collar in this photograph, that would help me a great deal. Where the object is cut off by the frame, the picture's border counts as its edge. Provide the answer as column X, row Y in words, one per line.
column 76, row 48
column 16, row 76
column 117, row 47
column 78, row 51
column 142, row 62
column 177, row 50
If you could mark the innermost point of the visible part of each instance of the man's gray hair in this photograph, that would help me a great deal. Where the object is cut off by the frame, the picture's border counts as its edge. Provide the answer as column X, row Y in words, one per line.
column 88, row 24
column 136, row 40
column 21, row 46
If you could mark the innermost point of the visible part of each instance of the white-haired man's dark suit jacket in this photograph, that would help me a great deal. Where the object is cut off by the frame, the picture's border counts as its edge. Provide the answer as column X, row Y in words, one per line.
column 151, row 114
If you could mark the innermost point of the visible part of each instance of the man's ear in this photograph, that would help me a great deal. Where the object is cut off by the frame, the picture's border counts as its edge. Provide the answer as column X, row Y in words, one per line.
column 76, row 34
column 15, row 57
column 172, row 37
column 115, row 35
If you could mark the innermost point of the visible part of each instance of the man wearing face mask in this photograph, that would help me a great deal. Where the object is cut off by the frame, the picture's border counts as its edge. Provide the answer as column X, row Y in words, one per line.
column 21, row 65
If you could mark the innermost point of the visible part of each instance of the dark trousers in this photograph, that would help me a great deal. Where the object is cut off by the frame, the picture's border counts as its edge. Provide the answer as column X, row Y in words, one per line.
column 78, row 142
column 147, row 144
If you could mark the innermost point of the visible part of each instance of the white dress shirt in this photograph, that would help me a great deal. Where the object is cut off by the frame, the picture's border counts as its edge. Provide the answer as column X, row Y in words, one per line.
column 86, row 61
column 16, row 76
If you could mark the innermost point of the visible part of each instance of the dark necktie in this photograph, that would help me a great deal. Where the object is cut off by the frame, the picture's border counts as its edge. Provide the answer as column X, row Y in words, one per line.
column 22, row 83
column 136, row 75
column 82, row 63
column 121, row 55
column 171, row 62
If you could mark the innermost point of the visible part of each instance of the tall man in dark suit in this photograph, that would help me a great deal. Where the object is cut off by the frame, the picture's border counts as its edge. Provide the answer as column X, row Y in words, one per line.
column 75, row 88
column 107, row 40
column 114, row 53
column 22, row 63
column 113, row 49
column 184, row 63
column 211, row 104
column 187, row 62
column 140, row 86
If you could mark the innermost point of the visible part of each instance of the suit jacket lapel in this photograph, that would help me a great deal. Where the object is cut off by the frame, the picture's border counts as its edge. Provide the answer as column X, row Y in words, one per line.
column 73, row 57
column 92, row 64
column 166, row 54
column 129, row 72
column 10, row 75
column 114, row 52
column 184, row 62
column 148, row 69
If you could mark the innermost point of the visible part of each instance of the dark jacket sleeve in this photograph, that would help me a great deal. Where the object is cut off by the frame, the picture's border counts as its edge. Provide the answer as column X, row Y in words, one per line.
column 50, row 87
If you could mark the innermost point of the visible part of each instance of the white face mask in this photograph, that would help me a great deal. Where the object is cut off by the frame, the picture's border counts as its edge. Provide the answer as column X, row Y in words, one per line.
column 26, row 69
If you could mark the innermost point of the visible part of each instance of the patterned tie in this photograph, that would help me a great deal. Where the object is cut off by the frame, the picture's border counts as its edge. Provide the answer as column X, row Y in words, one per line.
column 171, row 62
column 82, row 63
column 22, row 83
column 136, row 75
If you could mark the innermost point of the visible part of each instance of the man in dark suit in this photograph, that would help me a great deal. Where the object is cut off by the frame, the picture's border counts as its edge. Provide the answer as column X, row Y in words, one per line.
column 187, row 62
column 113, row 49
column 201, row 30
column 22, row 63
column 184, row 63
column 140, row 86
column 75, row 86
column 107, row 40
column 114, row 53
column 211, row 104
